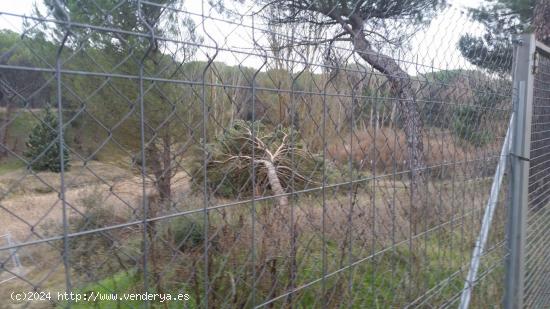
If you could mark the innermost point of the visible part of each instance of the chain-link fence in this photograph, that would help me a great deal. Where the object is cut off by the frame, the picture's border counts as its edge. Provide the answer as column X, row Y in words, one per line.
column 246, row 154
column 527, row 267
column 537, row 285
column 9, row 258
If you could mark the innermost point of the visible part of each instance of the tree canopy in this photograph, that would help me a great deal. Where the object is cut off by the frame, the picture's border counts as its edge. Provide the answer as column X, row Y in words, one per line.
column 502, row 19
column 370, row 26
column 127, row 45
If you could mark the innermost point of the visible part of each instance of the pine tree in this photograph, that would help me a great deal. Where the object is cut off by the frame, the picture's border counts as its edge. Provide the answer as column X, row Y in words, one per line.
column 43, row 145
column 503, row 19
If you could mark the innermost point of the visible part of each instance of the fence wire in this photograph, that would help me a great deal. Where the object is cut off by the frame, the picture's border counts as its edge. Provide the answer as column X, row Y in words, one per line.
column 253, row 154
column 537, row 285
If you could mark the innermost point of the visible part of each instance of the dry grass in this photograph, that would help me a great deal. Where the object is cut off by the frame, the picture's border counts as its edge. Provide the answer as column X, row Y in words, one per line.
column 23, row 182
column 381, row 216
column 385, row 150
column 377, row 221
column 36, row 199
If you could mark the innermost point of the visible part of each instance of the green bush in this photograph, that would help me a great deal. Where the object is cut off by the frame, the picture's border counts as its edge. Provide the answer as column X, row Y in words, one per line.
column 188, row 233
column 43, row 145
column 96, row 252
column 97, row 255
column 467, row 125
column 471, row 122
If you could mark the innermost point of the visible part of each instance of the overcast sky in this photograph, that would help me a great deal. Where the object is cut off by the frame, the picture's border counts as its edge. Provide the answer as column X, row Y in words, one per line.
column 436, row 46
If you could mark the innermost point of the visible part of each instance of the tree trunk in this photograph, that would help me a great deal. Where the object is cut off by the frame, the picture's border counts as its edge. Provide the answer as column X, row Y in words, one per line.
column 274, row 182
column 401, row 84
column 4, row 128
column 392, row 115
column 160, row 163
column 541, row 18
column 377, row 118
column 371, row 116
column 165, row 191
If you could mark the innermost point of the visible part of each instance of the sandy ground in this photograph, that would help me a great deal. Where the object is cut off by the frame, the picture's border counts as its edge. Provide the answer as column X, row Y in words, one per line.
column 26, row 205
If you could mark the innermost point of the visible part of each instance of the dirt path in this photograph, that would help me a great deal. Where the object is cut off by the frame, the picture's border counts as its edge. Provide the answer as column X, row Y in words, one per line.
column 25, row 213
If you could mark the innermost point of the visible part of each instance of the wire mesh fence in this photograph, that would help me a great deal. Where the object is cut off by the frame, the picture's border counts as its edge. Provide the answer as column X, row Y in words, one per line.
column 251, row 154
column 537, row 286
column 10, row 259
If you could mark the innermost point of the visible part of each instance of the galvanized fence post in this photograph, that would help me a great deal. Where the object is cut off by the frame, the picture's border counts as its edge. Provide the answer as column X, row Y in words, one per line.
column 519, row 156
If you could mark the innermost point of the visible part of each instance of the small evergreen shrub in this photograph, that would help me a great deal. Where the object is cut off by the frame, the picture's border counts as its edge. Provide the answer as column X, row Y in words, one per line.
column 188, row 233
column 43, row 145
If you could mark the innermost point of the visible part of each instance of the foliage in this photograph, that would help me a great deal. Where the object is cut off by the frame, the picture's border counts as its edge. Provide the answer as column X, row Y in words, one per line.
column 502, row 19
column 188, row 232
column 390, row 273
column 464, row 110
column 469, row 121
column 20, row 50
column 95, row 215
column 466, row 125
column 118, row 15
column 112, row 105
column 93, row 256
column 370, row 11
column 229, row 170
column 43, row 145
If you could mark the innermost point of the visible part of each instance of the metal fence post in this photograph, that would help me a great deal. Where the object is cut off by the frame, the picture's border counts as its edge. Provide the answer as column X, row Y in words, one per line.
column 520, row 154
